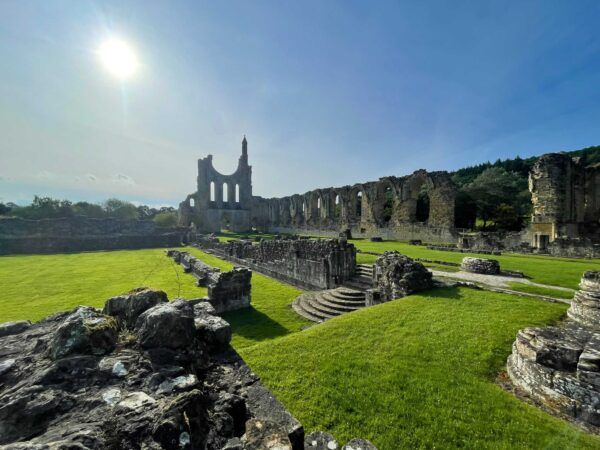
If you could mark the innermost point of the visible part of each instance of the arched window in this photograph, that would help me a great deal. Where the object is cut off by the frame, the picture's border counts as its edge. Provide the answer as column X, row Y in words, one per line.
column 338, row 207
column 192, row 202
column 225, row 193
column 212, row 191
column 303, row 207
column 422, row 212
column 388, row 205
column 359, row 197
column 237, row 193
column 319, row 203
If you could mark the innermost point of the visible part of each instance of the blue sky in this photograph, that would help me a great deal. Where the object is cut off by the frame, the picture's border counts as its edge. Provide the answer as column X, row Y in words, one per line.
column 328, row 93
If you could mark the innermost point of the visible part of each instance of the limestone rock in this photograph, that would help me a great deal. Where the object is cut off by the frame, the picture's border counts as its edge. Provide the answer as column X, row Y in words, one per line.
column 480, row 265
column 265, row 435
column 85, row 330
column 127, row 308
column 320, row 441
column 585, row 307
column 166, row 325
column 359, row 444
column 213, row 329
column 8, row 328
column 396, row 276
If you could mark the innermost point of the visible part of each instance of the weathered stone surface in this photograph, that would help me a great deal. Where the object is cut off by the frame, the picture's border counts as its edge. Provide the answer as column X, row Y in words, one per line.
column 585, row 307
column 167, row 325
column 480, row 265
column 125, row 399
column 397, row 276
column 127, row 308
column 560, row 366
column 320, row 441
column 213, row 329
column 85, row 330
column 9, row 328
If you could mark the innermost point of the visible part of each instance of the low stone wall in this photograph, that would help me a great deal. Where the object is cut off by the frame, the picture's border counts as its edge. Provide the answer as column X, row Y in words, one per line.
column 227, row 291
column 560, row 366
column 75, row 234
column 574, row 248
column 396, row 276
column 311, row 264
column 402, row 232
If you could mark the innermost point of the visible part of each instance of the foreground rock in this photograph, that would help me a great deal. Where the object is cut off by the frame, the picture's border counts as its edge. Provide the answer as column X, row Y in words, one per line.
column 396, row 276
column 146, row 373
column 559, row 366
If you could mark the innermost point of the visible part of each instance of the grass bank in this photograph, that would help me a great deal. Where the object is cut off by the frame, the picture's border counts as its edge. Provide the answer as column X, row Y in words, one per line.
column 416, row 373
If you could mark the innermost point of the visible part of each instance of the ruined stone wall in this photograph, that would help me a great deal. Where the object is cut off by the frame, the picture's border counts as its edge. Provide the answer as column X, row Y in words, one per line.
column 227, row 291
column 564, row 194
column 72, row 234
column 220, row 201
column 387, row 207
column 306, row 263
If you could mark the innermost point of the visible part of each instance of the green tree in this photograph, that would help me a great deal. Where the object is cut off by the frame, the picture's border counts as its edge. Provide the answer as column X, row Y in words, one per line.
column 88, row 210
column 119, row 209
column 166, row 219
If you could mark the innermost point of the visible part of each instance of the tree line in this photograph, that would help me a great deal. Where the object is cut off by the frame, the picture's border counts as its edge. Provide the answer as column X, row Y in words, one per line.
column 51, row 208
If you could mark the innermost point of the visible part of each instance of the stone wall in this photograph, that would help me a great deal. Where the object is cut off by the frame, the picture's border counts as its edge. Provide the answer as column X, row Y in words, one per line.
column 227, row 291
column 312, row 264
column 559, row 367
column 73, row 234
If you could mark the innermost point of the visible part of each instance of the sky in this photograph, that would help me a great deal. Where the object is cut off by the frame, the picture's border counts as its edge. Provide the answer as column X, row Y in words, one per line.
column 328, row 93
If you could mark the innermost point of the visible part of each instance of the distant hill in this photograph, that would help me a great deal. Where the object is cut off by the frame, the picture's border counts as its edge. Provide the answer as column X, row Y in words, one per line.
column 519, row 165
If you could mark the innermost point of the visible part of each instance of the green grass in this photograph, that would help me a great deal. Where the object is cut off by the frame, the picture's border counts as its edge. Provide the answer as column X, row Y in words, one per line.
column 34, row 286
column 556, row 293
column 562, row 272
column 416, row 373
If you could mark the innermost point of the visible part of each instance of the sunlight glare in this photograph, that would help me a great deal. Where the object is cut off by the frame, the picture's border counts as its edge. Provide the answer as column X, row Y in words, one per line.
column 118, row 58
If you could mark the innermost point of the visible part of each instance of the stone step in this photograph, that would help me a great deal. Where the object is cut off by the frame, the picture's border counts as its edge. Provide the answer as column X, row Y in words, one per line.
column 303, row 307
column 299, row 309
column 333, row 297
column 332, row 303
column 358, row 284
column 345, row 293
column 318, row 305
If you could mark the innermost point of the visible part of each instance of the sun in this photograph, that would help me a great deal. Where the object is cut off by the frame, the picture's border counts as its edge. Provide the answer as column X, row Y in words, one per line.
column 118, row 58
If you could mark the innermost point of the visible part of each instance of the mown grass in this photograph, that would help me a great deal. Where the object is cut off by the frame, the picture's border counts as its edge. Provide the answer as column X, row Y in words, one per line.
column 416, row 373
column 562, row 272
column 528, row 288
column 34, row 286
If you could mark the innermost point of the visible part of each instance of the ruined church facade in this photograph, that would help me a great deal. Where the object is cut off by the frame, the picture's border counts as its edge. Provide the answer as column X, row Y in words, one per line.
column 417, row 206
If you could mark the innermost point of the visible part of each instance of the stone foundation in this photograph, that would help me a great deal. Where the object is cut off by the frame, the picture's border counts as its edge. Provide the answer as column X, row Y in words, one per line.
column 227, row 291
column 560, row 366
column 480, row 265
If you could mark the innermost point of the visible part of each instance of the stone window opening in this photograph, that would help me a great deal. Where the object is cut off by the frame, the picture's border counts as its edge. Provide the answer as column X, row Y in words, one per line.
column 192, row 203
column 237, row 193
column 337, row 208
column 388, row 204
column 359, row 197
column 212, row 191
column 423, row 204
column 225, row 193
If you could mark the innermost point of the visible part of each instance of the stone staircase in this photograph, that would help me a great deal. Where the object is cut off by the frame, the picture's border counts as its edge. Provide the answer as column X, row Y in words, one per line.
column 363, row 279
column 323, row 305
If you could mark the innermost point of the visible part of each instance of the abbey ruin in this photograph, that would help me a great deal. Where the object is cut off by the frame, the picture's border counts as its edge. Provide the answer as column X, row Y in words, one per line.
column 420, row 206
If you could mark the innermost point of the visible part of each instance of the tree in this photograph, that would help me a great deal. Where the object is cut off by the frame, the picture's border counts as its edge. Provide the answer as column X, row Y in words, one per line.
column 493, row 187
column 88, row 210
column 507, row 218
column 119, row 209
column 4, row 209
column 166, row 219
column 465, row 210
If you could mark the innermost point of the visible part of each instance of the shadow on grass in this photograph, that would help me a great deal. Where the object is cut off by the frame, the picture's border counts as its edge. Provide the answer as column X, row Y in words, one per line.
column 253, row 324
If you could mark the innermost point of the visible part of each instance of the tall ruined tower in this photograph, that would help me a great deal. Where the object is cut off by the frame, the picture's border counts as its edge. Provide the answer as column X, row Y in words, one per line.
column 220, row 201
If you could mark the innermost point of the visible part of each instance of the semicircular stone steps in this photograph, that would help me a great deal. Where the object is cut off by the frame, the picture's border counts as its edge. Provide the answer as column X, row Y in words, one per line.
column 323, row 305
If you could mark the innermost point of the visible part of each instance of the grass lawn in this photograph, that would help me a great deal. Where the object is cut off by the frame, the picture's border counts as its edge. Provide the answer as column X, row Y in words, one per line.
column 34, row 286
column 556, row 293
column 562, row 272
column 416, row 373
